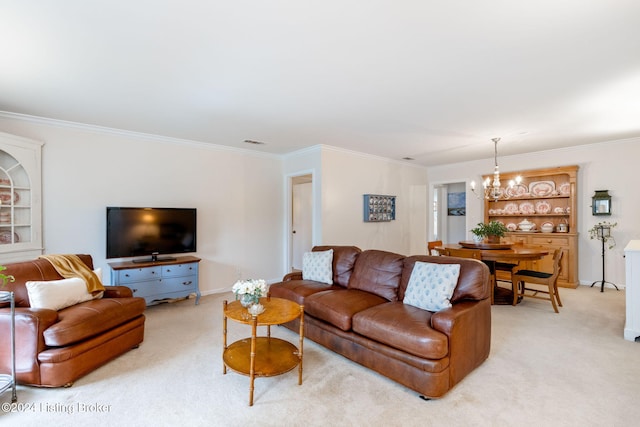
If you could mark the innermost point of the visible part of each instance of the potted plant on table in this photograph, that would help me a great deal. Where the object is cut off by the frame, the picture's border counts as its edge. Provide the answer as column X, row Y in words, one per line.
column 491, row 232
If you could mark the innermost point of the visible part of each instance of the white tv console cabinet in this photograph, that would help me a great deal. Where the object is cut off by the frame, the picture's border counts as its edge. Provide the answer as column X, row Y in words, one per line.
column 632, row 261
column 156, row 281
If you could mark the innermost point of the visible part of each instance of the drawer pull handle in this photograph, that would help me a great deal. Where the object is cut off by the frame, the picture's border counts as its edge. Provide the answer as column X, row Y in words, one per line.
column 168, row 270
column 187, row 283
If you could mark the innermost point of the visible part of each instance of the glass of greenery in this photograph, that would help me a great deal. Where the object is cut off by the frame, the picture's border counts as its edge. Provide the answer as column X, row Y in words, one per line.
column 5, row 278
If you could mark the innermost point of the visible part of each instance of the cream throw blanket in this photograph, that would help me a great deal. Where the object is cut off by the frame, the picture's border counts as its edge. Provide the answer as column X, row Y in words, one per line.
column 72, row 266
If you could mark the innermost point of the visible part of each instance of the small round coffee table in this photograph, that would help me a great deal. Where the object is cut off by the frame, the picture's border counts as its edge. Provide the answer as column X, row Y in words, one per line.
column 262, row 356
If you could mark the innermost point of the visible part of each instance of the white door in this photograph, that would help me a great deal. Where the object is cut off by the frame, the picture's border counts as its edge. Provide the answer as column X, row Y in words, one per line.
column 301, row 224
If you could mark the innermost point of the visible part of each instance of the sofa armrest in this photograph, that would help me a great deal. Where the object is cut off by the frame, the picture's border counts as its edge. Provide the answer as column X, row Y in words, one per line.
column 468, row 326
column 117, row 292
column 294, row 275
column 30, row 325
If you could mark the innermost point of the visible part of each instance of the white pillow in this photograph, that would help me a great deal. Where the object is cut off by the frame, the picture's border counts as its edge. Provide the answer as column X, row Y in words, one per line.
column 318, row 266
column 431, row 285
column 57, row 294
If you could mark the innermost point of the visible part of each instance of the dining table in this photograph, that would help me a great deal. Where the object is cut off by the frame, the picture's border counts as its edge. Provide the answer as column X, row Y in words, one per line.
column 493, row 253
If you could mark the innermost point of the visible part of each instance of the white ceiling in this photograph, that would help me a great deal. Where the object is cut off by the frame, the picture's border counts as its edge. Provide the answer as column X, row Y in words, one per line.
column 431, row 80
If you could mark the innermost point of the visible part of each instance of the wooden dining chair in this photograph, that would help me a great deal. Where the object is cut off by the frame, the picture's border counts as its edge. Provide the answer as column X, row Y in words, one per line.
column 522, row 278
column 431, row 246
column 508, row 266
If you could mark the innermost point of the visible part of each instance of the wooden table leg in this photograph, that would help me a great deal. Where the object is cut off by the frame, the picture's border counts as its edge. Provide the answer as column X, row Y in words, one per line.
column 224, row 334
column 300, row 347
column 252, row 366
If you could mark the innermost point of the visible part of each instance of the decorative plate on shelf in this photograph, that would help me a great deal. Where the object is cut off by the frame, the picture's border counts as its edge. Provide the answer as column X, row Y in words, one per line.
column 543, row 207
column 542, row 188
column 512, row 226
column 564, row 189
column 5, row 237
column 511, row 208
column 518, row 190
column 527, row 208
column 5, row 217
column 7, row 195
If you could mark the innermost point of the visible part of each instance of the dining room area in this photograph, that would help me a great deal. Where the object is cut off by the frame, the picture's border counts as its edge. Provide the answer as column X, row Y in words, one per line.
column 528, row 235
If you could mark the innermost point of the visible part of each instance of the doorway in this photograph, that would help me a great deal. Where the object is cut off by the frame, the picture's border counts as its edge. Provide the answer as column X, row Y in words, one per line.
column 301, row 218
column 449, row 212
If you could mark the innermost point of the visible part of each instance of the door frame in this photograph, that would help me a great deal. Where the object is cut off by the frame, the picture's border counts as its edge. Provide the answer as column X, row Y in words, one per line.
column 288, row 217
column 472, row 208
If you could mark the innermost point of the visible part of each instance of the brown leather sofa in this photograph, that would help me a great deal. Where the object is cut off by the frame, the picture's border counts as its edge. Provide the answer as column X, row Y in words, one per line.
column 54, row 348
column 362, row 317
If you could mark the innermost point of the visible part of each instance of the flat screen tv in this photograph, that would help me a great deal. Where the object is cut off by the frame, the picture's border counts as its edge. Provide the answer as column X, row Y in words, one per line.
column 137, row 232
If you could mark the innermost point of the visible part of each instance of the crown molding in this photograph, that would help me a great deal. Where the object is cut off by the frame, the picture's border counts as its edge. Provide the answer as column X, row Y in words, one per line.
column 129, row 134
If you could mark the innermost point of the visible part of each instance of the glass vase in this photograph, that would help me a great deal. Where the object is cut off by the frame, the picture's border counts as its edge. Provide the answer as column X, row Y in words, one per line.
column 247, row 300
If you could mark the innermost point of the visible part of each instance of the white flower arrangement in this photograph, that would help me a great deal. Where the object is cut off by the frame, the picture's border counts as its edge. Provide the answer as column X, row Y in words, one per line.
column 255, row 288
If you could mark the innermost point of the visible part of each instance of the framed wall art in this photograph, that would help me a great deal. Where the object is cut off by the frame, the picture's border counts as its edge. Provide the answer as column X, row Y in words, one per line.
column 456, row 204
column 379, row 208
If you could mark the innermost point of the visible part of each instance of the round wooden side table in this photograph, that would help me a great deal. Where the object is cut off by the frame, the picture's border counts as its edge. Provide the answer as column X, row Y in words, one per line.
column 262, row 356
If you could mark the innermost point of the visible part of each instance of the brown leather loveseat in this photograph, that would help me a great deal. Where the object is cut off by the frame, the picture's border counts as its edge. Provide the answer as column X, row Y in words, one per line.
column 54, row 348
column 361, row 316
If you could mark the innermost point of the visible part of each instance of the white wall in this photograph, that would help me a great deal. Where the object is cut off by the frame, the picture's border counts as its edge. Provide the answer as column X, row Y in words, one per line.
column 347, row 176
column 238, row 194
column 604, row 166
column 340, row 178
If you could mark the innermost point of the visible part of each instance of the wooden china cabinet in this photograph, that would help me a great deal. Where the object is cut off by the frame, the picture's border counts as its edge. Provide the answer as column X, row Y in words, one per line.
column 547, row 198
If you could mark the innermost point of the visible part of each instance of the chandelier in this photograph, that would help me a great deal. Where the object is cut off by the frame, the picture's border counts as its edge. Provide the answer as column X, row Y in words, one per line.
column 492, row 189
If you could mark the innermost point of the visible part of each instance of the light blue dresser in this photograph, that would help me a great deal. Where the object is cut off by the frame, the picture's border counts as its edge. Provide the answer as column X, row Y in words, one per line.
column 160, row 280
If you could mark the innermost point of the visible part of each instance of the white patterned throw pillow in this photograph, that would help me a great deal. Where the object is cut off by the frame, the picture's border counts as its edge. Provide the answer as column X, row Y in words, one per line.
column 318, row 266
column 431, row 285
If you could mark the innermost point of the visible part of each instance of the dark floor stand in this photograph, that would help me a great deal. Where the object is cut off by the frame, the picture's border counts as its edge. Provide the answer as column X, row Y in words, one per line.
column 602, row 282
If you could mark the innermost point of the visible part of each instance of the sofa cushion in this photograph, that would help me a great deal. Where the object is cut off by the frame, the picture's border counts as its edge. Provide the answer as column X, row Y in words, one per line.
column 298, row 290
column 318, row 266
column 404, row 327
column 90, row 318
column 344, row 257
column 57, row 294
column 431, row 285
column 378, row 272
column 337, row 307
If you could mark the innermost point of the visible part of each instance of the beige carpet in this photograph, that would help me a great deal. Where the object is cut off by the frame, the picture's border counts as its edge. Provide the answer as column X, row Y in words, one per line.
column 572, row 368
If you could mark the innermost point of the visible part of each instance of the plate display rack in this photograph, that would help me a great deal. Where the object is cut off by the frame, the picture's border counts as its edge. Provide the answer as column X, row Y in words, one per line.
column 379, row 208
column 547, row 198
